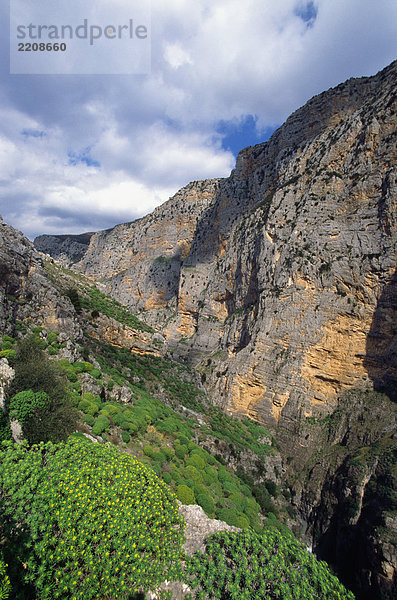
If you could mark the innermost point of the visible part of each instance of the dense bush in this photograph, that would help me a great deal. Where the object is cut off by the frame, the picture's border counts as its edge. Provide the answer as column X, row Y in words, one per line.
column 185, row 494
column 180, row 451
column 250, row 566
column 26, row 404
column 167, row 477
column 53, row 420
column 193, row 474
column 125, row 436
column 5, row 430
column 89, row 419
column 196, row 461
column 206, row 503
column 84, row 521
column 101, row 424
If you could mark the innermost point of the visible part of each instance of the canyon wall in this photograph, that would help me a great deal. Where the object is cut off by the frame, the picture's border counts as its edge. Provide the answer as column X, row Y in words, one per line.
column 279, row 282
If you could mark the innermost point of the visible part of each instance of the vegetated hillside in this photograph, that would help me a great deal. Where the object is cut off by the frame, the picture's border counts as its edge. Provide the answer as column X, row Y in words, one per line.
column 80, row 520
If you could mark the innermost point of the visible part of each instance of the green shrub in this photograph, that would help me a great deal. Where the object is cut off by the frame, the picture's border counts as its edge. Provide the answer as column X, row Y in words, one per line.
column 119, row 419
column 130, row 540
column 5, row 430
column 169, row 452
column 5, row 345
column 132, row 428
column 112, row 409
column 181, row 451
column 88, row 407
column 193, row 474
column 228, row 515
column 52, row 337
column 91, row 398
column 34, row 371
column 73, row 296
column 25, row 404
column 170, row 425
column 101, row 424
column 167, row 477
column 83, row 366
column 271, row 487
column 125, row 437
column 199, row 488
column 148, row 450
column 183, row 440
column 196, row 461
column 176, row 476
column 96, row 373
column 9, row 353
column 5, row 586
column 212, row 473
column 185, row 494
column 242, row 522
column 159, row 457
column 206, row 503
column 89, row 419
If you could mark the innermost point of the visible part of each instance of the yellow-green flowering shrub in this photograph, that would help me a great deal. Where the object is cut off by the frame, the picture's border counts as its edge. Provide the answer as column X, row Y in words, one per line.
column 4, row 580
column 96, row 523
column 271, row 565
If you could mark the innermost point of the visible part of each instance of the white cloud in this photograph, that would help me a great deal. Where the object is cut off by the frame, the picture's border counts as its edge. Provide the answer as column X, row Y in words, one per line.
column 151, row 135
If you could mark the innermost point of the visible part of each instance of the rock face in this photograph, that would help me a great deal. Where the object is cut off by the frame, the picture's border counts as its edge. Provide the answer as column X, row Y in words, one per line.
column 280, row 281
column 67, row 249
column 345, row 487
column 27, row 296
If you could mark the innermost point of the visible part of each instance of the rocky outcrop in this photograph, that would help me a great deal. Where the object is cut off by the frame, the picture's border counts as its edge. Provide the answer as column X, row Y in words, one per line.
column 6, row 377
column 27, row 297
column 198, row 528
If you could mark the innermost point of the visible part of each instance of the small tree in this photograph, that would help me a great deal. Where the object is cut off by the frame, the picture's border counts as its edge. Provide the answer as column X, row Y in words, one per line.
column 44, row 408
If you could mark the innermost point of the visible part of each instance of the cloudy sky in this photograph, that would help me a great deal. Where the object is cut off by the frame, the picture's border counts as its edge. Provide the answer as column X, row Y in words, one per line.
column 85, row 152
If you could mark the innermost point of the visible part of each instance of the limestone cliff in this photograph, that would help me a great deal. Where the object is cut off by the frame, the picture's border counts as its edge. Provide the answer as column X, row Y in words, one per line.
column 279, row 281
column 28, row 299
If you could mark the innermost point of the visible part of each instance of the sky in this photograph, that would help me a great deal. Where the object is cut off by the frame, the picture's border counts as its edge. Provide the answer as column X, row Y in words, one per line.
column 85, row 152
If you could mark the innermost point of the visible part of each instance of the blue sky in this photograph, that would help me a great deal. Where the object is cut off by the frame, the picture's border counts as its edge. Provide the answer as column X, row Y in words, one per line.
column 82, row 153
